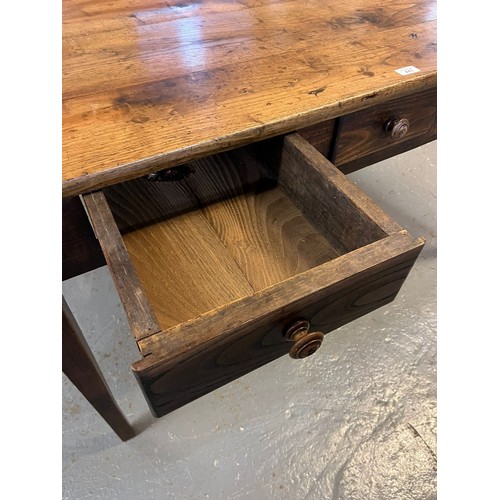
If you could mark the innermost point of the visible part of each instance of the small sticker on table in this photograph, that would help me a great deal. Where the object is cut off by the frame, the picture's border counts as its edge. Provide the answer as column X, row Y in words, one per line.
column 407, row 70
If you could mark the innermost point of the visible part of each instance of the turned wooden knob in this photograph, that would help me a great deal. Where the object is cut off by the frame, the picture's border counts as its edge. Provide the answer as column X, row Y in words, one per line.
column 305, row 342
column 397, row 128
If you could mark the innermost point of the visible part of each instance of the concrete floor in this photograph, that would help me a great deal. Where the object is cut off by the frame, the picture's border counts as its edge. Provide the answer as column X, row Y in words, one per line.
column 356, row 421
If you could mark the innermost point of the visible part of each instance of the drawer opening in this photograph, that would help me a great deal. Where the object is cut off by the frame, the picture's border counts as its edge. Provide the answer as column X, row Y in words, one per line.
column 213, row 268
column 230, row 228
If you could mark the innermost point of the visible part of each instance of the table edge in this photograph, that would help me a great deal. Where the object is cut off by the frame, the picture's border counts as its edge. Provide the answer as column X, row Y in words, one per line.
column 91, row 182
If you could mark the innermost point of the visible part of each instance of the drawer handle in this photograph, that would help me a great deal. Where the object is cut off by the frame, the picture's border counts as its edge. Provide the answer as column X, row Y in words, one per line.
column 397, row 128
column 305, row 342
column 172, row 174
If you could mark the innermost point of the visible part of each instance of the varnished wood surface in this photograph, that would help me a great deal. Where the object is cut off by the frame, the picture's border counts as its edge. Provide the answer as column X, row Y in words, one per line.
column 151, row 84
column 222, row 234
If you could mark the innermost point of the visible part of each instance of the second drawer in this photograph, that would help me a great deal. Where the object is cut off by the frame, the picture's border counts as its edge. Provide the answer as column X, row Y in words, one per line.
column 385, row 130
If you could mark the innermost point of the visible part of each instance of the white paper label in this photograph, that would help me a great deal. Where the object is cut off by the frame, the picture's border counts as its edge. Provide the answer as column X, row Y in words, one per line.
column 407, row 70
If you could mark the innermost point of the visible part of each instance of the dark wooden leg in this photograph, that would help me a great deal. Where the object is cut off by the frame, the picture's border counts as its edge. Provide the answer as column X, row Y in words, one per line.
column 81, row 368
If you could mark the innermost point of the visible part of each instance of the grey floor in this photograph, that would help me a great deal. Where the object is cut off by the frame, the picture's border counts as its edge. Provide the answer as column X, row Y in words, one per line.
column 356, row 421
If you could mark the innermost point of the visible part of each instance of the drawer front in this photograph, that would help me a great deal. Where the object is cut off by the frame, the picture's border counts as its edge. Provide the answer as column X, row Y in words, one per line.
column 370, row 259
column 377, row 133
column 251, row 333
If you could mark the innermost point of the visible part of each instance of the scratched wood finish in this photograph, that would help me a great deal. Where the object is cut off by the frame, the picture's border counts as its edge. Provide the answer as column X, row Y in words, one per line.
column 193, row 359
column 329, row 199
column 361, row 137
column 140, row 316
column 222, row 233
column 151, row 84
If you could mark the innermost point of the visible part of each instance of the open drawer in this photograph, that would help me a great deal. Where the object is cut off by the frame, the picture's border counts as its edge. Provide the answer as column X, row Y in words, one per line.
column 228, row 262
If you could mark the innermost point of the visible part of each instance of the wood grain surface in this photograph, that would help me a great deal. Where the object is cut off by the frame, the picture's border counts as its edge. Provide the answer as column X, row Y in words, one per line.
column 191, row 360
column 140, row 316
column 182, row 265
column 151, row 84
column 262, row 228
column 362, row 134
column 336, row 205
column 221, row 234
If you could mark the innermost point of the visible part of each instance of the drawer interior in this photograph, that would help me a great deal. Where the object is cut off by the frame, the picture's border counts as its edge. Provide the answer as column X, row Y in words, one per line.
column 224, row 227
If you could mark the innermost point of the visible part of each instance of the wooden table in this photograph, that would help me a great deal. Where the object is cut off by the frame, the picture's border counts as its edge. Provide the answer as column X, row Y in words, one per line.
column 152, row 84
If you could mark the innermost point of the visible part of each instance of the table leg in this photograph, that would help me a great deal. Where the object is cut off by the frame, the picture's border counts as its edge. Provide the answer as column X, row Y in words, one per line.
column 81, row 368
